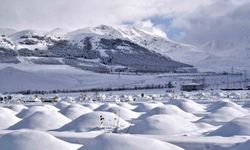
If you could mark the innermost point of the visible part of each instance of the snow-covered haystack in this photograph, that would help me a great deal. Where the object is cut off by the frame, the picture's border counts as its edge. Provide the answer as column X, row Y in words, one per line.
column 224, row 103
column 18, row 108
column 145, row 107
column 188, row 105
column 7, row 110
column 31, row 110
column 127, row 105
column 243, row 146
column 7, row 118
column 238, row 126
column 163, row 124
column 105, row 107
column 223, row 115
column 95, row 120
column 127, row 142
column 74, row 111
column 42, row 120
column 169, row 110
column 51, row 107
column 92, row 106
column 31, row 139
column 62, row 104
column 124, row 113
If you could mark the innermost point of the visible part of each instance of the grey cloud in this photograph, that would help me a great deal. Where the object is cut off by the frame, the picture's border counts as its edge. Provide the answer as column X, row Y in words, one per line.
column 46, row 14
column 223, row 21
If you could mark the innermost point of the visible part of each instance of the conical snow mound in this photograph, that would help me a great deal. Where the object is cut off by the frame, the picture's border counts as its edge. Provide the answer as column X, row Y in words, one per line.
column 124, row 113
column 62, row 104
column 105, row 107
column 188, row 105
column 92, row 106
column 31, row 110
column 93, row 121
column 168, row 110
column 127, row 142
column 74, row 111
column 224, row 103
column 30, row 140
column 222, row 112
column 7, row 118
column 127, row 105
column 42, row 120
column 238, row 126
column 7, row 110
column 145, row 107
column 163, row 124
column 18, row 108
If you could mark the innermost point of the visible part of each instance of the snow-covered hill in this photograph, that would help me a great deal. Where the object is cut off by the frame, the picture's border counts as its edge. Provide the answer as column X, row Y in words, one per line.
column 101, row 49
column 118, row 48
column 224, row 54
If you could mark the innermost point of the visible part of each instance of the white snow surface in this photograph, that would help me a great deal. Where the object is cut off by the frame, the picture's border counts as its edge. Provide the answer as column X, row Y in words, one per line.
column 31, row 139
column 191, row 121
column 126, row 142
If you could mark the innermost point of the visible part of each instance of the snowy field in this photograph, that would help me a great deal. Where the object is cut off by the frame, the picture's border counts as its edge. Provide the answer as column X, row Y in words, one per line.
column 127, row 120
column 19, row 77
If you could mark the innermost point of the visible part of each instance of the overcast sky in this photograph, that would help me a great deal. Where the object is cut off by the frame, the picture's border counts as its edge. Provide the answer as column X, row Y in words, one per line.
column 190, row 21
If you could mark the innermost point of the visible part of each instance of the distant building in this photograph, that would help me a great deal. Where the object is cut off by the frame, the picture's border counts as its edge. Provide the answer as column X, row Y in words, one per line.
column 192, row 86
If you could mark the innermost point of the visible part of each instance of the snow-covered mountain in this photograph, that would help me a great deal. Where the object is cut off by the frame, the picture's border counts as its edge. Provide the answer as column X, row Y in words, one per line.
column 224, row 54
column 105, row 48
column 102, row 49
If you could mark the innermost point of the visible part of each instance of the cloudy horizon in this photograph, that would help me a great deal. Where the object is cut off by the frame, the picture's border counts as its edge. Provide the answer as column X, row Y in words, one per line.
column 189, row 21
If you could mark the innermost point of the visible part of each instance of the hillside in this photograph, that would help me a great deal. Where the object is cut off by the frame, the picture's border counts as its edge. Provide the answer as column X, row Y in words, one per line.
column 99, row 49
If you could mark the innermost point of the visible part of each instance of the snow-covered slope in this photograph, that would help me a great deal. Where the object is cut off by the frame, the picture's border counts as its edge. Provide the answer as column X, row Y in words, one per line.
column 101, row 49
column 104, row 48
column 226, row 54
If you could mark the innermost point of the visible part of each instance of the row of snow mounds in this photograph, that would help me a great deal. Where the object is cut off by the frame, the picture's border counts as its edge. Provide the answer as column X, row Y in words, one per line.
column 120, row 111
column 238, row 126
column 163, row 125
column 127, row 142
column 188, row 105
column 7, row 118
column 32, row 139
column 42, row 120
column 74, row 111
column 169, row 110
column 222, row 112
column 92, row 121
